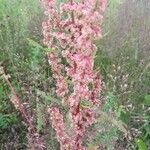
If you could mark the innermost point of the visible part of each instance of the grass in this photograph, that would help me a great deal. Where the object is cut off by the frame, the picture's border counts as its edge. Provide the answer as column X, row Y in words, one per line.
column 124, row 68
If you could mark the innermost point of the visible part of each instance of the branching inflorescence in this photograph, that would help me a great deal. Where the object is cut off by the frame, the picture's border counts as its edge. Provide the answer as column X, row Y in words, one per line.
column 34, row 139
column 70, row 32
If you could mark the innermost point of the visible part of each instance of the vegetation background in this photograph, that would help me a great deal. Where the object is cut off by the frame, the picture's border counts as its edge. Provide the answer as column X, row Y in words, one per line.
column 123, row 58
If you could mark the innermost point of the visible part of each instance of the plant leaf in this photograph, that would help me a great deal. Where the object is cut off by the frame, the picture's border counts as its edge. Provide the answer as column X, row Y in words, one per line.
column 147, row 100
column 141, row 145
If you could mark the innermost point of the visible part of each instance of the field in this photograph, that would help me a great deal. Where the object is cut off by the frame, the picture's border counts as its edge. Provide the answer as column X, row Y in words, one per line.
column 122, row 58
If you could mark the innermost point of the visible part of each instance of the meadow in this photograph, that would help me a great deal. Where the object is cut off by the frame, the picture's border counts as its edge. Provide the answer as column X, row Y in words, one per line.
column 122, row 58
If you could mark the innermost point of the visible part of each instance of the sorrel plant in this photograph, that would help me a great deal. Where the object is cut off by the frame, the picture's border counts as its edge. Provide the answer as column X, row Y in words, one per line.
column 70, row 33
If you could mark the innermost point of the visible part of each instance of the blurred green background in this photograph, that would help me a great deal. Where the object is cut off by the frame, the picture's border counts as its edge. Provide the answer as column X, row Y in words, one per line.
column 123, row 58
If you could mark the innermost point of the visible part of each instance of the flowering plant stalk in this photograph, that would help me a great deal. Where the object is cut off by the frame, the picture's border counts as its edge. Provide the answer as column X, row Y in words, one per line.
column 70, row 32
column 34, row 139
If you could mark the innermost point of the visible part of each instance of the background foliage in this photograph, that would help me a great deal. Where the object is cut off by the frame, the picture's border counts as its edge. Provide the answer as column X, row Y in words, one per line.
column 123, row 58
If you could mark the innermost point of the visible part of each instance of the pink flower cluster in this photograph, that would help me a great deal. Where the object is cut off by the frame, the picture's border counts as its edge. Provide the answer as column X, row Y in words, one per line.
column 70, row 32
column 58, row 125
column 57, row 67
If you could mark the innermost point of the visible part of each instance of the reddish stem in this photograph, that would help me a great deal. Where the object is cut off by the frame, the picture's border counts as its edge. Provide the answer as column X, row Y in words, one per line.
column 21, row 107
column 72, row 14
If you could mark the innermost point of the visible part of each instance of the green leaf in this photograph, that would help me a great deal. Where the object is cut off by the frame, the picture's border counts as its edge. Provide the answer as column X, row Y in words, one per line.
column 40, row 116
column 147, row 100
column 34, row 43
column 110, row 102
column 51, row 100
column 140, row 144
column 48, row 50
column 7, row 120
column 85, row 104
